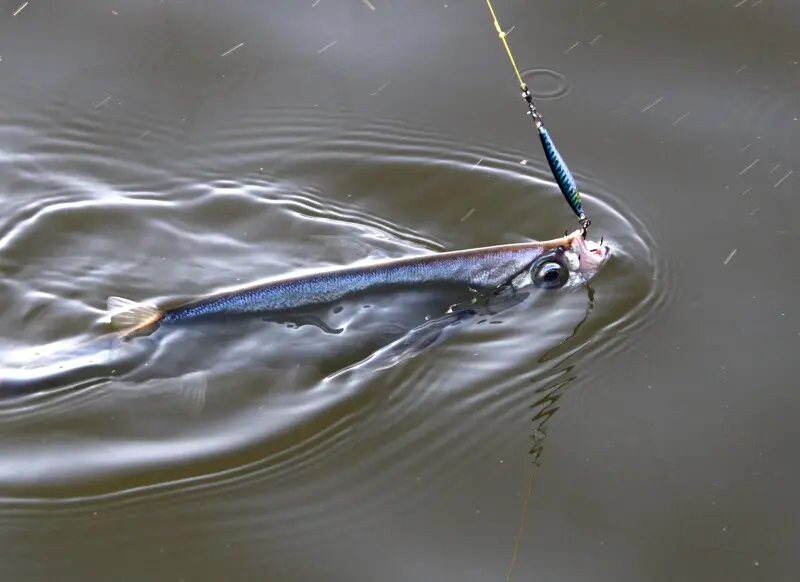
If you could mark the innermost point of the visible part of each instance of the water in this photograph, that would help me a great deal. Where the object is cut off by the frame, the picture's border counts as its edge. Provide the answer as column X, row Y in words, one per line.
column 146, row 152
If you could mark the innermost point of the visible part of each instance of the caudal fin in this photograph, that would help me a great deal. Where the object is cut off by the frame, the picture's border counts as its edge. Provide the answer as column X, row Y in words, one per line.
column 129, row 316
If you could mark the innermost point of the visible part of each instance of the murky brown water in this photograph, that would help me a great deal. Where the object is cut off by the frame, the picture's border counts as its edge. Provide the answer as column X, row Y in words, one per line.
column 162, row 149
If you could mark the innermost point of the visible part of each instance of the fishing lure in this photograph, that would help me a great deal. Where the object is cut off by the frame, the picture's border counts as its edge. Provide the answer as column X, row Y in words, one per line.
column 564, row 179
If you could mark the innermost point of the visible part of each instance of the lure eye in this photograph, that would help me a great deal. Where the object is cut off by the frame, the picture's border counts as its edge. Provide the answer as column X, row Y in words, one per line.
column 550, row 275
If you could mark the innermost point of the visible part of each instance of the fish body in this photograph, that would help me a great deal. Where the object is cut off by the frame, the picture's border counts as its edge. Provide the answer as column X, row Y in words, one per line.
column 575, row 259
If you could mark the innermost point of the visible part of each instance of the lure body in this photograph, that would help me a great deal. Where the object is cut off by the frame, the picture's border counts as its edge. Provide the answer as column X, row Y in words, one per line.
column 481, row 268
column 564, row 178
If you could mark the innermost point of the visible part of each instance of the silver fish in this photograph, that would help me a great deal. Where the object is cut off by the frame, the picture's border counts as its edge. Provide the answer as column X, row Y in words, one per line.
column 561, row 263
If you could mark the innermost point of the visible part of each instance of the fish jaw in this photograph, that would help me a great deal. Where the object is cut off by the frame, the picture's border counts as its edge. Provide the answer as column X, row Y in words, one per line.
column 586, row 257
column 591, row 256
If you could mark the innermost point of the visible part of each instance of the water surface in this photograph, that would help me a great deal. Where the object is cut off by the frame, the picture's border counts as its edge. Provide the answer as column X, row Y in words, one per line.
column 161, row 150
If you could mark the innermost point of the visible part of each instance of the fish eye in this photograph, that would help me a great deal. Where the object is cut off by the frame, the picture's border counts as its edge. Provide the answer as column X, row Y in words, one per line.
column 550, row 274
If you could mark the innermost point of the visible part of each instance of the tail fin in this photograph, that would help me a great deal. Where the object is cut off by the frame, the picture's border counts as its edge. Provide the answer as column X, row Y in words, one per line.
column 129, row 316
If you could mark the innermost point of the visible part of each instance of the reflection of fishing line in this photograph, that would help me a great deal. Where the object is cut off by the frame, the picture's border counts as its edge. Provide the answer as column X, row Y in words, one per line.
column 551, row 394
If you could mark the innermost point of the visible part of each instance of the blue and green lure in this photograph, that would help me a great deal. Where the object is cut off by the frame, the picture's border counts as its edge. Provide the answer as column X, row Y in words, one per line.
column 564, row 179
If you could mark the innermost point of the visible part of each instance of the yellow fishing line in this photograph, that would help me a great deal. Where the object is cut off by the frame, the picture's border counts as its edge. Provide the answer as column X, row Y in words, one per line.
column 521, row 525
column 502, row 36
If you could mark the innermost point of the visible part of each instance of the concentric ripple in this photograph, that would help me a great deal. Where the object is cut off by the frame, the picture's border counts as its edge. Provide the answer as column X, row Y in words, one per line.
column 274, row 408
column 546, row 84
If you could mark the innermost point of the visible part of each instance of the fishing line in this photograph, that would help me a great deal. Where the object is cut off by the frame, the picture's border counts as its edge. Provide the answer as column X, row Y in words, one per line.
column 564, row 178
column 522, row 520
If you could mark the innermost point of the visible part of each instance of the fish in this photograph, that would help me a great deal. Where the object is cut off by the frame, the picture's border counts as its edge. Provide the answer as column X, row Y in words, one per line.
column 560, row 263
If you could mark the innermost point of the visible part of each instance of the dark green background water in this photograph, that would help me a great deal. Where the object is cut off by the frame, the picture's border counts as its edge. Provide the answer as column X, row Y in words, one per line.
column 140, row 157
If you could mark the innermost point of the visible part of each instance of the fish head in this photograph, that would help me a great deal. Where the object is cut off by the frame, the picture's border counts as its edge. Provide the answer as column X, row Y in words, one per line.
column 569, row 262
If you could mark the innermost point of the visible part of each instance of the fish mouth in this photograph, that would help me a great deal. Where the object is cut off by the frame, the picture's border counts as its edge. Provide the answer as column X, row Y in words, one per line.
column 591, row 255
column 595, row 253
